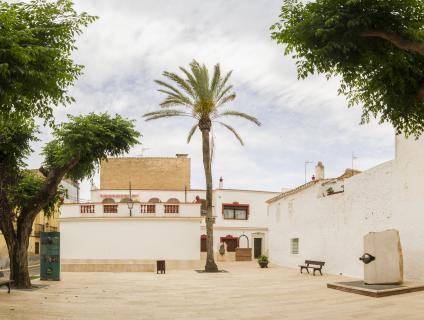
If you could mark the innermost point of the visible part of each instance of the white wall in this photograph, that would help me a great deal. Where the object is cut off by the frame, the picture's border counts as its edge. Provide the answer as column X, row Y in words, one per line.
column 127, row 239
column 254, row 227
column 331, row 228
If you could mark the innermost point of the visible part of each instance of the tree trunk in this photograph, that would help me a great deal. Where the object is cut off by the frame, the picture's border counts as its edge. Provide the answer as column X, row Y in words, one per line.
column 17, row 244
column 18, row 256
column 210, row 265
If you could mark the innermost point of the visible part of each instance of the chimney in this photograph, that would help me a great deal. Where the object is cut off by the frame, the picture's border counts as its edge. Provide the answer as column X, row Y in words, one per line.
column 319, row 171
column 181, row 155
column 221, row 183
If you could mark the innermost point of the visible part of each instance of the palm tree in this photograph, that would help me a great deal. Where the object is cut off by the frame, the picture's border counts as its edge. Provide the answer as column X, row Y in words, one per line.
column 201, row 98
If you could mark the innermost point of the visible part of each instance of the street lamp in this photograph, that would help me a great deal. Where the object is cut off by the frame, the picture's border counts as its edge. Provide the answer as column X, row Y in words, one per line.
column 130, row 202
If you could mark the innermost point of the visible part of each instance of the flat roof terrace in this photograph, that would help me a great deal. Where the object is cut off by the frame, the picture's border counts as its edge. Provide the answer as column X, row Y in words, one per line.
column 245, row 292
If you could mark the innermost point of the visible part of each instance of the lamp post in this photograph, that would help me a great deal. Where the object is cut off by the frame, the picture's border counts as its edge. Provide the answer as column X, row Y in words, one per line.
column 130, row 202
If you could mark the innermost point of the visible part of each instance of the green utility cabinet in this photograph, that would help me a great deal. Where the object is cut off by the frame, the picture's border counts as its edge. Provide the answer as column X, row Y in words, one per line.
column 50, row 256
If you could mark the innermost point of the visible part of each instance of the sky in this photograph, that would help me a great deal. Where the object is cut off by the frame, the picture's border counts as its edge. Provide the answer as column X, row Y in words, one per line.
column 133, row 42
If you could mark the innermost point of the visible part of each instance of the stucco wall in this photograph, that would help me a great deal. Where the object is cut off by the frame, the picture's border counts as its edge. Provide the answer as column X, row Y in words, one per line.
column 127, row 239
column 331, row 228
column 146, row 173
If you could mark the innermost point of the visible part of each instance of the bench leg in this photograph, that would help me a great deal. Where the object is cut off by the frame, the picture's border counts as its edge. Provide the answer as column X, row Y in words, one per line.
column 320, row 271
column 8, row 287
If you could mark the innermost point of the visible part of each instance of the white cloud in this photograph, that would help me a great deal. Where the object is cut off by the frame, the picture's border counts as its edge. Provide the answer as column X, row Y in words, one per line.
column 133, row 42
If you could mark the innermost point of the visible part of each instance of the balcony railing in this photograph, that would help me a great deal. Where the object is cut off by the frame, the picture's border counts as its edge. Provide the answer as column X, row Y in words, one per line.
column 50, row 229
column 87, row 208
column 110, row 208
column 171, row 208
column 148, row 208
column 121, row 210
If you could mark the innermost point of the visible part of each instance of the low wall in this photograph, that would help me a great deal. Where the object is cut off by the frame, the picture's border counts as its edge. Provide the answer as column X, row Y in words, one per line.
column 117, row 244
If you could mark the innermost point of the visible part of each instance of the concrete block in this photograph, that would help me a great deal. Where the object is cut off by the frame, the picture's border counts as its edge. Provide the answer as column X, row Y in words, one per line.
column 387, row 268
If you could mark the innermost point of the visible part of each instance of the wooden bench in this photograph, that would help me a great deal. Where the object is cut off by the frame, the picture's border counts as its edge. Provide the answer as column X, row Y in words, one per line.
column 5, row 282
column 310, row 264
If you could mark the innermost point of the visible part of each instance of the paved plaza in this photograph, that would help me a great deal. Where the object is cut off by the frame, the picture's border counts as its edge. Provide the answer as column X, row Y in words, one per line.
column 245, row 292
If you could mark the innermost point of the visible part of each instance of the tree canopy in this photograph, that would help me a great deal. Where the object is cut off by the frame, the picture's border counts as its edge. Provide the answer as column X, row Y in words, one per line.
column 78, row 146
column 376, row 47
column 36, row 67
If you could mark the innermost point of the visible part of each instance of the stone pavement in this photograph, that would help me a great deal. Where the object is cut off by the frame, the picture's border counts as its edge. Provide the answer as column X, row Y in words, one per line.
column 246, row 292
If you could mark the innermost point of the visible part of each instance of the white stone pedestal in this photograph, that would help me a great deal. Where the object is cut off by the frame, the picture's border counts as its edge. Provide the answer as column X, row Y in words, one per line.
column 387, row 268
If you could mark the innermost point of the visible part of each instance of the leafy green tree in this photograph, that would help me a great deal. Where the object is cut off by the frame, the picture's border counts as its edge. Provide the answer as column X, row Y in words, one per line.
column 36, row 67
column 376, row 47
column 200, row 97
column 77, row 148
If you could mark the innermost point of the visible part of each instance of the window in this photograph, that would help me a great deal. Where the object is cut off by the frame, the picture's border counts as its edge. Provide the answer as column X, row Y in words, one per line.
column 290, row 207
column 235, row 212
column 295, row 246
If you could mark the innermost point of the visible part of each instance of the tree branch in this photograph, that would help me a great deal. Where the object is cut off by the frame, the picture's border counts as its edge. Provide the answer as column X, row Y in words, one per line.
column 53, row 179
column 396, row 40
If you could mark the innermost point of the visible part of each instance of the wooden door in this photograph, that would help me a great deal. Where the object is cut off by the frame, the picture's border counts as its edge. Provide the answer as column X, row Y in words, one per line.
column 257, row 245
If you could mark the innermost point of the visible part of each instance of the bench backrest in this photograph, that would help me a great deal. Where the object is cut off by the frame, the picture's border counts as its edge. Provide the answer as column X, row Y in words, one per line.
column 317, row 263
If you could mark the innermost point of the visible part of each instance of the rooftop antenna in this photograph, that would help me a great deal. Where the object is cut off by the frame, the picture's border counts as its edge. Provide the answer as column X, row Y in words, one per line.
column 306, row 165
column 142, row 152
column 354, row 157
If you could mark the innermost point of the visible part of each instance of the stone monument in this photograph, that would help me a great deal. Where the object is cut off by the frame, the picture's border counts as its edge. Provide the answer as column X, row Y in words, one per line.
column 383, row 261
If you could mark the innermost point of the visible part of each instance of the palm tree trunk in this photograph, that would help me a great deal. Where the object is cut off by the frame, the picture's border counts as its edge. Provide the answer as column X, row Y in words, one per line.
column 210, row 265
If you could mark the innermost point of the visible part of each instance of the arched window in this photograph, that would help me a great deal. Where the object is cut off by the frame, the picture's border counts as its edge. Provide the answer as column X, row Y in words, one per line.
column 154, row 200
column 231, row 242
column 108, row 200
column 125, row 200
column 173, row 200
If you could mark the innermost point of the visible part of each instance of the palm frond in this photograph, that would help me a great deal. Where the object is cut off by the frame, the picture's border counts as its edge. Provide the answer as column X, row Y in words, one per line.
column 164, row 114
column 190, row 79
column 181, row 82
column 239, row 114
column 170, row 87
column 215, row 78
column 201, row 75
column 233, row 131
column 183, row 99
column 191, row 133
column 222, row 85
column 172, row 102
column 226, row 99
column 224, row 92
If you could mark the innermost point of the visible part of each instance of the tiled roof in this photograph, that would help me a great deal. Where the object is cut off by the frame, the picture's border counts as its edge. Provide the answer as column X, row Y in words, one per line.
column 347, row 174
column 295, row 190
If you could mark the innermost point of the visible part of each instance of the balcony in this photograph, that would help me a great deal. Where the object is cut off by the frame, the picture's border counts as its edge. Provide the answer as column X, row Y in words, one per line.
column 38, row 228
column 69, row 210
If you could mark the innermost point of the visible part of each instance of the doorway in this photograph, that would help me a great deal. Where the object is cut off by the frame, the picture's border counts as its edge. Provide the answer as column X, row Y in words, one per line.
column 257, row 245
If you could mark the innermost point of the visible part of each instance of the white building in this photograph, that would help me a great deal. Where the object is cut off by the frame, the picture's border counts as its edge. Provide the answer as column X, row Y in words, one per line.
column 326, row 219
column 163, row 225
